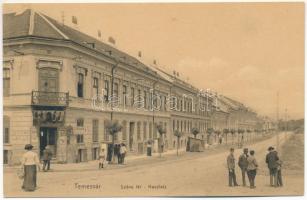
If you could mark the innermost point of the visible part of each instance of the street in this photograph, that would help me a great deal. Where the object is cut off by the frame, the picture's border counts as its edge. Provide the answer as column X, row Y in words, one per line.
column 199, row 174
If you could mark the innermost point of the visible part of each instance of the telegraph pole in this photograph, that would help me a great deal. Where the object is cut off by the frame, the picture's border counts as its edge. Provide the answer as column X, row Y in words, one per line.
column 277, row 117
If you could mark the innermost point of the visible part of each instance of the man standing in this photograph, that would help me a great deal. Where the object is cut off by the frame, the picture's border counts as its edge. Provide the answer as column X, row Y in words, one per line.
column 252, row 169
column 47, row 156
column 271, row 160
column 231, row 169
column 243, row 164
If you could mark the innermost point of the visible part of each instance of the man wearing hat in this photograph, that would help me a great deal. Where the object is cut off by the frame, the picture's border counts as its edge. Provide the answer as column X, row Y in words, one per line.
column 47, row 156
column 231, row 169
column 243, row 164
column 271, row 160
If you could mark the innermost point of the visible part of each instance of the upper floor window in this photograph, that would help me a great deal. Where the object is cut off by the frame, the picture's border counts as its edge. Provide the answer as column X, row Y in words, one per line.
column 125, row 94
column 6, row 129
column 95, row 130
column 6, row 82
column 80, row 85
column 80, row 122
column 145, row 99
column 115, row 90
column 95, row 86
column 106, row 88
column 132, row 96
column 80, row 138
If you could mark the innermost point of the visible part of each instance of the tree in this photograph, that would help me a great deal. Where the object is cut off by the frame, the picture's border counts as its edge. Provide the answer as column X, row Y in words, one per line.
column 195, row 131
column 226, row 131
column 161, row 131
column 209, row 132
column 113, row 127
column 232, row 131
column 178, row 134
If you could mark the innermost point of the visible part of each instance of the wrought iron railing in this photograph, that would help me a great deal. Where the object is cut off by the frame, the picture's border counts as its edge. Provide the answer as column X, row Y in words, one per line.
column 41, row 98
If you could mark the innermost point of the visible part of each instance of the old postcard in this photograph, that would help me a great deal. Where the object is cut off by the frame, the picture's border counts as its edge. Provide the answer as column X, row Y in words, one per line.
column 153, row 99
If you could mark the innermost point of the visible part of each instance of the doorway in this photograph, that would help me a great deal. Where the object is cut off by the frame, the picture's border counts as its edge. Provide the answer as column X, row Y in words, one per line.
column 131, row 133
column 48, row 136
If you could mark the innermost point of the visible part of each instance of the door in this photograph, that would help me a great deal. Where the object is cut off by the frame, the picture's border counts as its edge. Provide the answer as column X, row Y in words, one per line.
column 131, row 133
column 48, row 136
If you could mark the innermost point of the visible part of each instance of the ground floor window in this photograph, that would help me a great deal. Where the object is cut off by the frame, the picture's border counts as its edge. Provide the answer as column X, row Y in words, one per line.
column 5, row 157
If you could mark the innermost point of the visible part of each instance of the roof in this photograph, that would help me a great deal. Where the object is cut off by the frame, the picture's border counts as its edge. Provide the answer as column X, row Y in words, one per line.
column 36, row 24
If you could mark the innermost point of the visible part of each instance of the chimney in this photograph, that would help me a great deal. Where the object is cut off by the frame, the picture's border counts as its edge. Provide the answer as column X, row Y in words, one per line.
column 74, row 21
column 112, row 40
column 154, row 62
column 99, row 33
column 140, row 54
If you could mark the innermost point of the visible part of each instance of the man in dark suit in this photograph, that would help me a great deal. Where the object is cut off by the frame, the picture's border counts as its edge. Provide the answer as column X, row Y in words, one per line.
column 231, row 169
column 271, row 160
column 243, row 164
column 47, row 156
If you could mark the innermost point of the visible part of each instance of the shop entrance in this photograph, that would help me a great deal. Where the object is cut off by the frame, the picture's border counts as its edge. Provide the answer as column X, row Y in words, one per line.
column 48, row 136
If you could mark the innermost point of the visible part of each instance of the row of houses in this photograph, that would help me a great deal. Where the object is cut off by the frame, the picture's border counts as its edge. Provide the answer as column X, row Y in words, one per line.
column 61, row 87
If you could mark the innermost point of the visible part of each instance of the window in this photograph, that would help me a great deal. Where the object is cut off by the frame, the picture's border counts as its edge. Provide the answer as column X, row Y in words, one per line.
column 80, row 138
column 95, row 130
column 80, row 85
column 106, row 133
column 6, row 82
column 124, row 133
column 150, row 130
column 80, row 122
column 95, row 86
column 132, row 96
column 174, row 125
column 115, row 90
column 125, row 95
column 5, row 156
column 139, row 99
column 155, row 131
column 106, row 88
column 139, row 130
column 145, row 131
column 145, row 99
column 6, row 129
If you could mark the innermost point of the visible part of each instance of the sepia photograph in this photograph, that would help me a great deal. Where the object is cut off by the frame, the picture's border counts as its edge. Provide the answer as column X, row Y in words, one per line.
column 146, row 99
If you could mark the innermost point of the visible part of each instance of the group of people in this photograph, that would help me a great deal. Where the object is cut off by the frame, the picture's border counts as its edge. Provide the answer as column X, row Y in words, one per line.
column 120, row 151
column 249, row 165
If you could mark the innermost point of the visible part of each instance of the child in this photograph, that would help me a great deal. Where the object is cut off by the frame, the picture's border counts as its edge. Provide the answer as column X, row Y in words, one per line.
column 279, row 177
column 102, row 158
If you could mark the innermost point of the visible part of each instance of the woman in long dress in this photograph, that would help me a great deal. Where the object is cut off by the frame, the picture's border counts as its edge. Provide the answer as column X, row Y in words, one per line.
column 29, row 164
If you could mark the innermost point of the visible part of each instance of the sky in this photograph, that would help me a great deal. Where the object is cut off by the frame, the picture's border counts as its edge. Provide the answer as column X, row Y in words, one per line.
column 247, row 51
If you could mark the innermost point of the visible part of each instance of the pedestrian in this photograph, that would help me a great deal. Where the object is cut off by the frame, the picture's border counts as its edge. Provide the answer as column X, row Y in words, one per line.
column 29, row 163
column 243, row 164
column 231, row 169
column 220, row 139
column 279, row 176
column 102, row 158
column 123, row 151
column 116, row 152
column 149, row 148
column 271, row 160
column 47, row 156
column 252, row 169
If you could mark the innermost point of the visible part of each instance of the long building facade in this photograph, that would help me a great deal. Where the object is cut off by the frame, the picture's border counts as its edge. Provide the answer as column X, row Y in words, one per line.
column 62, row 87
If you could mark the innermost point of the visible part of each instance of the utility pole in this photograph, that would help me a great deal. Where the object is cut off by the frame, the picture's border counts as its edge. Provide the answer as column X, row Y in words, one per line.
column 277, row 117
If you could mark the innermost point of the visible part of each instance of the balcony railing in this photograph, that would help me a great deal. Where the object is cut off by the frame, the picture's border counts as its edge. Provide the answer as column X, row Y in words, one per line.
column 40, row 98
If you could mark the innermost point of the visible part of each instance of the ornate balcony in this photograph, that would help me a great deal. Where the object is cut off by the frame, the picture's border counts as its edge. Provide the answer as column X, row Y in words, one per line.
column 59, row 99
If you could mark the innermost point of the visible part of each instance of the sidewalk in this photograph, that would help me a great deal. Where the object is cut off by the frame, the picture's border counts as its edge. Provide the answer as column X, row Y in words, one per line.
column 93, row 164
column 129, row 160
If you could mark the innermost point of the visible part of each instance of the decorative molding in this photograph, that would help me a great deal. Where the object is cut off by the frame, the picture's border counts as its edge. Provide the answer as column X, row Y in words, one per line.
column 8, row 63
column 96, row 74
column 51, row 63
column 80, row 68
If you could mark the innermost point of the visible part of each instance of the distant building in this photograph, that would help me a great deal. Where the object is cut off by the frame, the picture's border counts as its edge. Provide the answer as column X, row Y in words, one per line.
column 57, row 91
